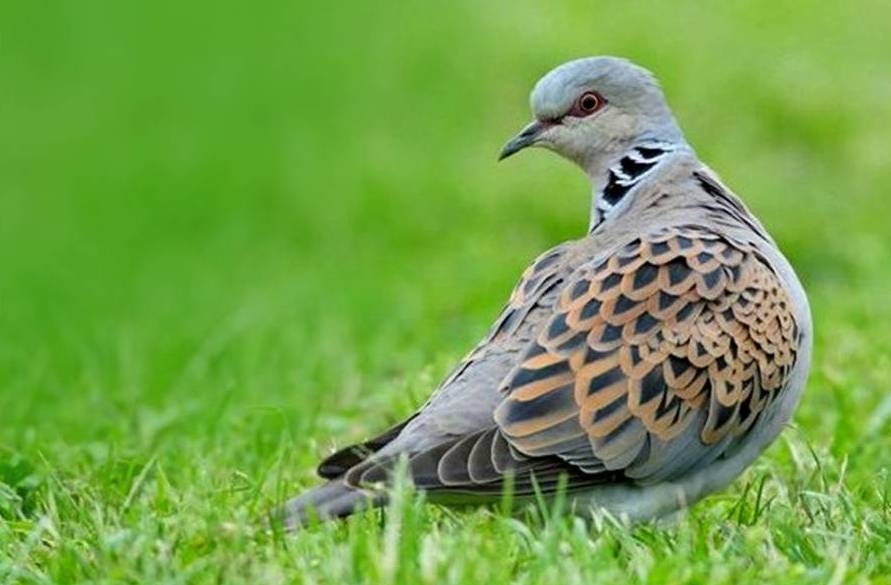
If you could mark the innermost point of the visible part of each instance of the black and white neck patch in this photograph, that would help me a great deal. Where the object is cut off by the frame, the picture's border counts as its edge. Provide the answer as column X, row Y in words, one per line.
column 628, row 172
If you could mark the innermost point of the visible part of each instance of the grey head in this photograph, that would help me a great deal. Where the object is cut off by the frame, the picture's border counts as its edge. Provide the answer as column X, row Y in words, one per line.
column 595, row 109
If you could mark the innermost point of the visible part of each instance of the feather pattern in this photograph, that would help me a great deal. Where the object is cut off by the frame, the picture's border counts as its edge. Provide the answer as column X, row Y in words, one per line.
column 628, row 172
column 676, row 324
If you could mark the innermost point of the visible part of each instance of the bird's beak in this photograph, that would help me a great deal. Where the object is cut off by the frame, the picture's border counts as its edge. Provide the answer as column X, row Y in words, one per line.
column 529, row 136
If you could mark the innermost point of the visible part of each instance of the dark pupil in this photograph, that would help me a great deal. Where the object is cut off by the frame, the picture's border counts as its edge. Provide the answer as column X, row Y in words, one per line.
column 589, row 102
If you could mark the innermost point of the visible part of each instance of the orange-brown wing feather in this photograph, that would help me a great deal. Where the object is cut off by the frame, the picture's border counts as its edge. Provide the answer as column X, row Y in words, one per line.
column 682, row 337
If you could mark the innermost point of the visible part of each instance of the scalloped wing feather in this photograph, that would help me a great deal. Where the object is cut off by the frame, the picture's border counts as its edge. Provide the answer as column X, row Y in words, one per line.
column 685, row 335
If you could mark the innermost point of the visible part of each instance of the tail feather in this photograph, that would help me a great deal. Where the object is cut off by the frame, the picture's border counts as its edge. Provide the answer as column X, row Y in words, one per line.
column 329, row 501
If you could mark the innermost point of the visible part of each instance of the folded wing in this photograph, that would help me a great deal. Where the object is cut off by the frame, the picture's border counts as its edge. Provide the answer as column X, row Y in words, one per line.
column 656, row 358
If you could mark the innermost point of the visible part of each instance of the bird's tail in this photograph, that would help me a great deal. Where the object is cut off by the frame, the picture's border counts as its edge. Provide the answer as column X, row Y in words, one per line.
column 329, row 501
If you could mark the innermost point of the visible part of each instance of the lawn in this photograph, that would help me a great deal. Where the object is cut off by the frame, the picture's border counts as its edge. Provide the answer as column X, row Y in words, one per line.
column 235, row 236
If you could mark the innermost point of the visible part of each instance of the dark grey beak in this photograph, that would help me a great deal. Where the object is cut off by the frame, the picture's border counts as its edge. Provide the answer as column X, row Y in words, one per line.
column 527, row 137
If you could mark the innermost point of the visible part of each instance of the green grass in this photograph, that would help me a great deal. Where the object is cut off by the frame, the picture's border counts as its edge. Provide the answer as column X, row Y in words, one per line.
column 234, row 236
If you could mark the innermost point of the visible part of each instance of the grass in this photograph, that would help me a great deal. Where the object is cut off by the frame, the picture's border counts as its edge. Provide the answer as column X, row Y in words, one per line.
column 233, row 237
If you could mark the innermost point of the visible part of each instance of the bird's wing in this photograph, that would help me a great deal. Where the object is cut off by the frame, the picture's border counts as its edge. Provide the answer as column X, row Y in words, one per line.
column 656, row 358
column 478, row 464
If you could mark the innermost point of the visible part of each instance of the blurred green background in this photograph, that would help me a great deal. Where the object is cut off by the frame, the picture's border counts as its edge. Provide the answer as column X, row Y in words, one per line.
column 230, row 232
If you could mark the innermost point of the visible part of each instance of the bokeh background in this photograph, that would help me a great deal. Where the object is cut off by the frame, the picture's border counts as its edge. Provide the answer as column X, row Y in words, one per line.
column 231, row 232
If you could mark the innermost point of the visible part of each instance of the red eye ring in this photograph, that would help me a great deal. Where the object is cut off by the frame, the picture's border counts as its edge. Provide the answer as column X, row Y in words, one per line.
column 588, row 103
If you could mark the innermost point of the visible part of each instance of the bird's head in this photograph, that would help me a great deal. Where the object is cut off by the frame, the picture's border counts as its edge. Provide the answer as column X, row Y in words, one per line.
column 590, row 109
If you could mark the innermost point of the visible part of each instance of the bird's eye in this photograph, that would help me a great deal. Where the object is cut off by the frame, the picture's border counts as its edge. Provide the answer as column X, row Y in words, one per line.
column 588, row 103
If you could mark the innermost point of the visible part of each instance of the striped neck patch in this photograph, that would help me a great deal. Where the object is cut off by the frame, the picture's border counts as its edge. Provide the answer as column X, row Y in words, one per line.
column 627, row 173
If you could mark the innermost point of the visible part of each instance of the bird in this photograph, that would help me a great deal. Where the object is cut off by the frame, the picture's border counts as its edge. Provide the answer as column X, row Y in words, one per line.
column 634, row 370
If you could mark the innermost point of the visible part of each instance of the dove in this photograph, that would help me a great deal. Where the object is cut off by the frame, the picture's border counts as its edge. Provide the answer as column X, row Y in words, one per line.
column 636, row 369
